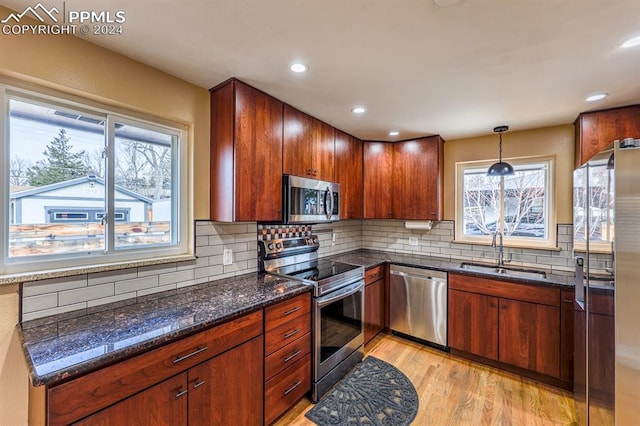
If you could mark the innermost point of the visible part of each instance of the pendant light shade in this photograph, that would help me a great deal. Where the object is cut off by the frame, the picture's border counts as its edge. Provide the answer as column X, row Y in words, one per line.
column 501, row 168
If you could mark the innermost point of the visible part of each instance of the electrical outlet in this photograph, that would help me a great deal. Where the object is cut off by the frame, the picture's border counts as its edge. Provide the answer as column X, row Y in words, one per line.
column 227, row 257
column 333, row 238
column 413, row 241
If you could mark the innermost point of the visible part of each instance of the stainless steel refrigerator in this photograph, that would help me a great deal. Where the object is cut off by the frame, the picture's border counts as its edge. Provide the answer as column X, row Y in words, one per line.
column 607, row 292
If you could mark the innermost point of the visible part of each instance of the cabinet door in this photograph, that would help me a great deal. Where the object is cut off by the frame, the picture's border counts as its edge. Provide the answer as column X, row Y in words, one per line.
column 228, row 389
column 298, row 148
column 323, row 150
column 378, row 180
column 473, row 323
column 162, row 404
column 373, row 309
column 258, row 155
column 530, row 336
column 418, row 178
column 348, row 173
column 597, row 130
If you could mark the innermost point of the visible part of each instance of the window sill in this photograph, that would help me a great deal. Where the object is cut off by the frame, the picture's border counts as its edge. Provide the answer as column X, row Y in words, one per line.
column 67, row 272
column 509, row 245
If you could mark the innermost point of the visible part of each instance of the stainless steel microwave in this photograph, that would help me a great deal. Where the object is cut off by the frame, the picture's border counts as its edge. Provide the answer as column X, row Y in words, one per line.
column 310, row 200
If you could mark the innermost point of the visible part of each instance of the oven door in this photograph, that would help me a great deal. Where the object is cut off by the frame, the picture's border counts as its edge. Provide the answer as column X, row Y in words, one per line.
column 310, row 201
column 338, row 322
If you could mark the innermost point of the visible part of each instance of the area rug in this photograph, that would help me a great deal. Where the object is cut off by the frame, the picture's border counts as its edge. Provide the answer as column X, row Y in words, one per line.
column 373, row 393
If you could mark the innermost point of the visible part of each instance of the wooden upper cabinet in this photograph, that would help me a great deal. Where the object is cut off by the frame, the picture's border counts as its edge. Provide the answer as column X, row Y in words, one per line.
column 597, row 130
column 308, row 146
column 378, row 180
column 348, row 173
column 417, row 179
column 246, row 153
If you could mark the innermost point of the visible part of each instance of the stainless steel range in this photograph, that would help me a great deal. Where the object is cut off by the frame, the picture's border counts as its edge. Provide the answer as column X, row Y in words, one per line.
column 338, row 302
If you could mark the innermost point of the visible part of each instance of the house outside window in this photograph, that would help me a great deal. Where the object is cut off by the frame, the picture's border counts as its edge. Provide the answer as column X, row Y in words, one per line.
column 520, row 207
column 86, row 186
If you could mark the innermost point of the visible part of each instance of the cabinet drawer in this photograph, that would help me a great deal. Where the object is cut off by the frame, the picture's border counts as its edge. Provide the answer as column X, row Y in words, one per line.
column 88, row 394
column 286, row 389
column 288, row 355
column 542, row 294
column 374, row 274
column 286, row 333
column 276, row 315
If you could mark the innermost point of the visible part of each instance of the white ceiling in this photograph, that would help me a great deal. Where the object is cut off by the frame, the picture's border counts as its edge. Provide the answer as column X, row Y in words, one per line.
column 417, row 68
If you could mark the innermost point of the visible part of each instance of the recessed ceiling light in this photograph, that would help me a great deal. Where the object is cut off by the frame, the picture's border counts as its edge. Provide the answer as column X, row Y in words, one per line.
column 596, row 97
column 631, row 42
column 394, row 133
column 299, row 67
column 446, row 3
column 358, row 110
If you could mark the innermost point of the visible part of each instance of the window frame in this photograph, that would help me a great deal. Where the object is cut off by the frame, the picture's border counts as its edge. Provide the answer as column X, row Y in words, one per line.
column 550, row 242
column 181, row 211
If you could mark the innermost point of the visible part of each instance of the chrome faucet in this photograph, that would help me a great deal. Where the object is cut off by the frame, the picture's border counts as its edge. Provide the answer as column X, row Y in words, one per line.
column 501, row 260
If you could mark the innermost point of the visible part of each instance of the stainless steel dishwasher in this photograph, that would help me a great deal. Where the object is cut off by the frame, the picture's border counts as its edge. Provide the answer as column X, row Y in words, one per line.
column 418, row 303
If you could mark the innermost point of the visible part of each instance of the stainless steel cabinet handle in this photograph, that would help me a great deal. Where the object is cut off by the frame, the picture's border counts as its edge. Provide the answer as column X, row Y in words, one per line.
column 183, row 392
column 196, row 352
column 292, row 356
column 292, row 333
column 290, row 311
column 198, row 384
column 288, row 391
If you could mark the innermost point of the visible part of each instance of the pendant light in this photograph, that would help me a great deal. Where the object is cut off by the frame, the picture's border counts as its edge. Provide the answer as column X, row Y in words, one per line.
column 501, row 168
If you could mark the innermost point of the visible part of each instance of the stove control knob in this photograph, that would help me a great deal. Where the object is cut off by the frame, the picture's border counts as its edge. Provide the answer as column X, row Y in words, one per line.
column 278, row 246
column 270, row 246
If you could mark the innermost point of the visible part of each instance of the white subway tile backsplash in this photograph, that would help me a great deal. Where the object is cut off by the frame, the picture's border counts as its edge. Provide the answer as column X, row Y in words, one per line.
column 69, row 297
column 146, row 271
column 110, row 299
column 53, row 285
column 136, row 284
column 112, row 276
column 53, row 311
column 39, row 302
column 174, row 277
column 209, row 271
column 159, row 289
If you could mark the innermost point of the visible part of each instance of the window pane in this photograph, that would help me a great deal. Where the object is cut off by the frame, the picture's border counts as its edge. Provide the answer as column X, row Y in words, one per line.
column 600, row 203
column 481, row 202
column 144, row 199
column 56, row 180
column 579, row 205
column 525, row 210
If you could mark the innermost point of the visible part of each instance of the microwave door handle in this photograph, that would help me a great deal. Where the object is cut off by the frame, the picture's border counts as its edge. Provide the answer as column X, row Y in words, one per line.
column 328, row 203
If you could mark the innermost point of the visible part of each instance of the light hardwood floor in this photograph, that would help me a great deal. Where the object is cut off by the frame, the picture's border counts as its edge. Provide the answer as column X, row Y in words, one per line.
column 454, row 391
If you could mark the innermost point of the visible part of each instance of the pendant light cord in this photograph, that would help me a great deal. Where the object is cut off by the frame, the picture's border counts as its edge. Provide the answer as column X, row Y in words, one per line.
column 500, row 147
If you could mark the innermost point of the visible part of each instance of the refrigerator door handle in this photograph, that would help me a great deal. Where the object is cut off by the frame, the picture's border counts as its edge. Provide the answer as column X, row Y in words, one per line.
column 579, row 281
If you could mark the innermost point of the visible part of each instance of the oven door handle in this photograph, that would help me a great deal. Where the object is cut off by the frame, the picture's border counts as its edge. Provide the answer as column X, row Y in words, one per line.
column 339, row 294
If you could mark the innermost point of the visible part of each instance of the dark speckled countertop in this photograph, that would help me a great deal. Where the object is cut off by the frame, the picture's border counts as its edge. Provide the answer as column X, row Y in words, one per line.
column 67, row 345
column 371, row 258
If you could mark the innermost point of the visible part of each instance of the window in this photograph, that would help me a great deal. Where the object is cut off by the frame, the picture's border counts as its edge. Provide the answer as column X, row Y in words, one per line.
column 593, row 211
column 518, row 206
column 87, row 186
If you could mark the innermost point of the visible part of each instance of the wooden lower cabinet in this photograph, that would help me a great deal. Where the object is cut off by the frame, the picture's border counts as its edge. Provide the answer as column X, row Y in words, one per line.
column 161, row 404
column 473, row 320
column 226, row 390
column 510, row 324
column 373, row 309
column 530, row 336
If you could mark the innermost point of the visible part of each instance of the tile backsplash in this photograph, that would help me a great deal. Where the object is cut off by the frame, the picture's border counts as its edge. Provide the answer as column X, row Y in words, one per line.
column 60, row 295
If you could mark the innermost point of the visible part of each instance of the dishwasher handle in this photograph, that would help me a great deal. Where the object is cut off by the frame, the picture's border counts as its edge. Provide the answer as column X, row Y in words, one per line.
column 421, row 277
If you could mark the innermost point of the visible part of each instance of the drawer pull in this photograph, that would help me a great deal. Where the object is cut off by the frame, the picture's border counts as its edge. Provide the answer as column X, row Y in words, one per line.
column 292, row 356
column 197, row 385
column 196, row 352
column 291, row 311
column 183, row 392
column 292, row 333
column 288, row 391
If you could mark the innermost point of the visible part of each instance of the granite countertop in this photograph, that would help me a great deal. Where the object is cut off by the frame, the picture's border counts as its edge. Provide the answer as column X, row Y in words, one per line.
column 68, row 345
column 371, row 258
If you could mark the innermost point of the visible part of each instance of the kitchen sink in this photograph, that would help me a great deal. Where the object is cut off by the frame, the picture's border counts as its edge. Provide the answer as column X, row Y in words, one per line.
column 513, row 272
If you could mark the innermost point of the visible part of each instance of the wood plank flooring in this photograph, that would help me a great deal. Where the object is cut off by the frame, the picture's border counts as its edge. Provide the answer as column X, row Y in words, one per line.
column 454, row 391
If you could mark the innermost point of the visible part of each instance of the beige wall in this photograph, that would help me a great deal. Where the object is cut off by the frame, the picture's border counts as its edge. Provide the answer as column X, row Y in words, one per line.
column 77, row 67
column 557, row 141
